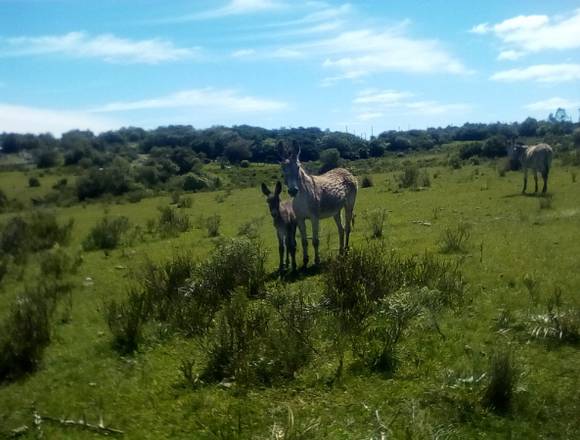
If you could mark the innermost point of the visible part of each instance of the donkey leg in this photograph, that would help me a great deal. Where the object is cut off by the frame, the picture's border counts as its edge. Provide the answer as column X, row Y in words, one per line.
column 338, row 222
column 315, row 239
column 545, row 177
column 291, row 246
column 536, row 180
column 348, row 220
column 281, row 252
column 304, row 238
column 525, row 180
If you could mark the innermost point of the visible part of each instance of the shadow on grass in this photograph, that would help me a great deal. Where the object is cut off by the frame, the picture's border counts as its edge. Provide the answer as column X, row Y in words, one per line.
column 299, row 275
column 528, row 194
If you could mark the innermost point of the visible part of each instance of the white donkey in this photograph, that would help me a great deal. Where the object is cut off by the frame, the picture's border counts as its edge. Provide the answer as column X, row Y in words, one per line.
column 318, row 197
column 537, row 157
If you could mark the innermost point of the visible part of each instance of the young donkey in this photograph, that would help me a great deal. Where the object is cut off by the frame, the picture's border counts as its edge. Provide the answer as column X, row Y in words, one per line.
column 537, row 157
column 318, row 197
column 285, row 224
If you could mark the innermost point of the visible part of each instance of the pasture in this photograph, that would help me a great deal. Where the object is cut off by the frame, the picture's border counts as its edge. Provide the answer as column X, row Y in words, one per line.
column 519, row 261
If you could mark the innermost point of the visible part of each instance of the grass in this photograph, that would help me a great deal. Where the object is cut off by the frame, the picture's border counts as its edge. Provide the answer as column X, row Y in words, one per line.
column 147, row 396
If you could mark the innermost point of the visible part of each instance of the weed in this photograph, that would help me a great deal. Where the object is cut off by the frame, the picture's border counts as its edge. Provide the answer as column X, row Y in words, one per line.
column 171, row 222
column 455, row 239
column 107, row 234
column 502, row 374
column 367, row 182
column 125, row 320
column 57, row 263
column 33, row 182
column 376, row 222
column 558, row 323
column 531, row 285
column 212, row 225
column 545, row 202
column 251, row 228
column 409, row 178
column 186, row 369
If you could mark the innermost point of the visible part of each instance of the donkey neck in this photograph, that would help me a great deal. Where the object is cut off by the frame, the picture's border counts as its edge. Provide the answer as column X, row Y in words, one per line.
column 305, row 181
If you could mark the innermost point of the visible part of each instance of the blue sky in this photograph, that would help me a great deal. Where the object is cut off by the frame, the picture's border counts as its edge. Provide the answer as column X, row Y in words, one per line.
column 368, row 65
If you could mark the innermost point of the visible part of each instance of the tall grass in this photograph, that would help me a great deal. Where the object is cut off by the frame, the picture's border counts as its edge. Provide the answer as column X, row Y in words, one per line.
column 107, row 234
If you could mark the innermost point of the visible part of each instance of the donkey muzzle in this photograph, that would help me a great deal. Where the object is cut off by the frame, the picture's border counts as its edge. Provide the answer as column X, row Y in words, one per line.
column 292, row 191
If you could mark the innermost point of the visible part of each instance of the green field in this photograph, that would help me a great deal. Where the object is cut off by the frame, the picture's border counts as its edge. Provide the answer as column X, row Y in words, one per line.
column 433, row 393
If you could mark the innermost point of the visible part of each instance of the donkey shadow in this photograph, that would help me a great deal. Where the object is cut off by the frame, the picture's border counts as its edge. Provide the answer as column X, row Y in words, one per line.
column 299, row 274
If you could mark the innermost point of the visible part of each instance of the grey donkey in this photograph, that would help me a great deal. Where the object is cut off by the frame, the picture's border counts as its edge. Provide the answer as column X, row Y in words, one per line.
column 538, row 158
column 285, row 224
column 319, row 197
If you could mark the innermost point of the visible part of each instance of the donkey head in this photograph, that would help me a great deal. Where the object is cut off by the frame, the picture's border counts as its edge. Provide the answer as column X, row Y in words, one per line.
column 290, row 166
column 273, row 200
column 516, row 151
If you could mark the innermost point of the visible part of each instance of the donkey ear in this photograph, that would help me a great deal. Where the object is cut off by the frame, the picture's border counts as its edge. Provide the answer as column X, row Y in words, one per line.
column 265, row 190
column 278, row 188
column 282, row 150
column 295, row 149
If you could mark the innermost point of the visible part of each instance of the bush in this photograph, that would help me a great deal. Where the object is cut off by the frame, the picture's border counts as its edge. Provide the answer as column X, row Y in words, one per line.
column 25, row 333
column 245, row 164
column 56, row 263
column 367, row 182
column 251, row 228
column 34, row 232
column 212, row 224
column 33, row 182
column 376, row 221
column 454, row 162
column 499, row 391
column 359, row 284
column 171, row 222
column 412, row 177
column 107, row 234
column 126, row 320
column 455, row 239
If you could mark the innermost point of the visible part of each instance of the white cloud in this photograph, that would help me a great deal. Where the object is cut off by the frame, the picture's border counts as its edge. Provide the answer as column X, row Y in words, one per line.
column 510, row 55
column 233, row 8
column 21, row 119
column 326, row 14
column 208, row 99
column 370, row 104
column 552, row 104
column 355, row 54
column 545, row 73
column 107, row 47
column 534, row 33
column 243, row 53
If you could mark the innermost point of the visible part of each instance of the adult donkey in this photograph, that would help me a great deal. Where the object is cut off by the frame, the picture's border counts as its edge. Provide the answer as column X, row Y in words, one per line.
column 537, row 157
column 318, row 197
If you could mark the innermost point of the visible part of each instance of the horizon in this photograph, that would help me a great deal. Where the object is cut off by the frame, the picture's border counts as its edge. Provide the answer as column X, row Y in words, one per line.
column 369, row 66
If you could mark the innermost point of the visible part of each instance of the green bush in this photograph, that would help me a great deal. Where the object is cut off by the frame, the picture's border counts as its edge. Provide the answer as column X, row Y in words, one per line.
column 107, row 234
column 32, row 233
column 33, row 182
column 171, row 222
column 212, row 224
column 57, row 263
column 376, row 222
column 126, row 320
column 455, row 239
column 251, row 228
column 367, row 182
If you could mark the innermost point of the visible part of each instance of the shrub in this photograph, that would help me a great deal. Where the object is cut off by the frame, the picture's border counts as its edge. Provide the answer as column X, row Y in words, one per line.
column 367, row 182
column 559, row 323
column 185, row 202
column 33, row 182
column 235, row 263
column 455, row 239
column 410, row 176
column 251, row 228
column 376, row 221
column 454, row 162
column 57, row 263
column 25, row 333
column 245, row 164
column 171, row 222
column 60, row 184
column 126, row 320
column 107, row 233
column 161, row 283
column 498, row 393
column 34, row 232
column 212, row 224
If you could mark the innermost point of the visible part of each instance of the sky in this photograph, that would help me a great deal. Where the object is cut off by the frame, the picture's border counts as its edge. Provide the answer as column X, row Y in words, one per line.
column 362, row 67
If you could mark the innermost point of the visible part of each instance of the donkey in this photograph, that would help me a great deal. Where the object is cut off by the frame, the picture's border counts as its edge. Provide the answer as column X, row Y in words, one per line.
column 537, row 157
column 318, row 197
column 285, row 224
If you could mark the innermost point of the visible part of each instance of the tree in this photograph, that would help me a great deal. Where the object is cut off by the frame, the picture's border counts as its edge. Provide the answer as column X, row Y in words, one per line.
column 529, row 127
column 237, row 150
column 330, row 159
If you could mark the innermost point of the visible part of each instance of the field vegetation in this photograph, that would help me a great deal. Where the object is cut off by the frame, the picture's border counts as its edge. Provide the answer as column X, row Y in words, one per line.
column 139, row 295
